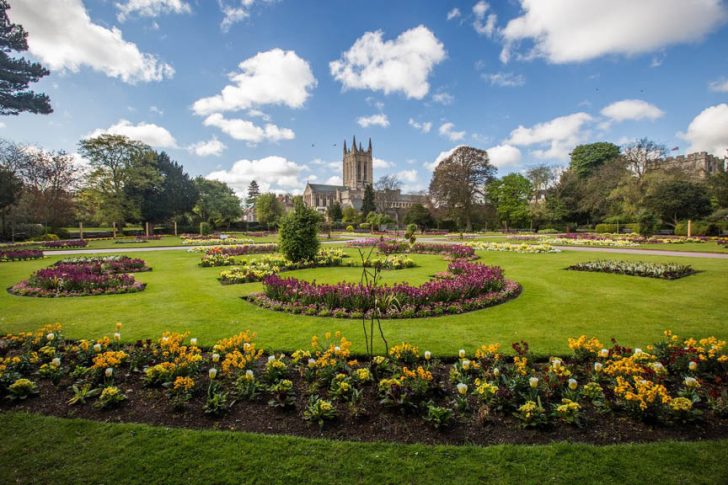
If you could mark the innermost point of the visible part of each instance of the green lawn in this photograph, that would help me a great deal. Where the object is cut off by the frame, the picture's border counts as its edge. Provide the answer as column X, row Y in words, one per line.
column 53, row 450
column 555, row 304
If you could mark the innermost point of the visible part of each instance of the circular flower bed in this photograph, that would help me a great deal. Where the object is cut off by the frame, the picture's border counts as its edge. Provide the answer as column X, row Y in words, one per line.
column 391, row 246
column 464, row 287
column 84, row 277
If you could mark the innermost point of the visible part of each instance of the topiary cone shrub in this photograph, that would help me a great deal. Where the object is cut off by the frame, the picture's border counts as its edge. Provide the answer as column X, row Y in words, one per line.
column 299, row 233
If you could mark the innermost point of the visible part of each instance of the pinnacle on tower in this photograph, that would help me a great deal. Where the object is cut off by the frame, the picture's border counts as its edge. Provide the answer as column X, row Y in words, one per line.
column 353, row 144
column 344, row 146
column 370, row 144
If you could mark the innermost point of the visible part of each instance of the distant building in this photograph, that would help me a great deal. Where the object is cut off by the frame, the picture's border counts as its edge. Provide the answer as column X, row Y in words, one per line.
column 358, row 172
column 699, row 165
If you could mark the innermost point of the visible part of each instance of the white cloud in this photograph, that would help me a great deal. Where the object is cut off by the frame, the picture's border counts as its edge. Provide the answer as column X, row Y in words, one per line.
column 423, row 127
column 334, row 180
column 505, row 79
column 407, row 175
column 149, row 133
column 442, row 156
column 63, row 37
column 720, row 86
column 150, row 8
column 400, row 65
column 483, row 25
column 377, row 163
column 211, row 147
column 574, row 31
column 632, row 109
column 453, row 14
column 156, row 110
column 448, row 131
column 272, row 173
column 557, row 136
column 504, row 155
column 373, row 120
column 237, row 11
column 274, row 77
column 443, row 98
column 709, row 131
column 249, row 131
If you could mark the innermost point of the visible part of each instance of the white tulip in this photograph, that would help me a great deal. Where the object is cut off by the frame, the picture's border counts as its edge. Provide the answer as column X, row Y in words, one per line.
column 337, row 349
column 117, row 336
column 533, row 382
column 462, row 389
column 271, row 358
column 428, row 355
column 637, row 351
column 249, row 374
column 193, row 342
column 461, row 353
column 598, row 366
column 604, row 353
column 311, row 362
column 556, row 363
column 692, row 365
column 97, row 348
column 573, row 384
column 109, row 372
column 56, row 362
column 215, row 357
column 691, row 382
column 496, row 372
column 212, row 373
column 50, row 336
column 466, row 364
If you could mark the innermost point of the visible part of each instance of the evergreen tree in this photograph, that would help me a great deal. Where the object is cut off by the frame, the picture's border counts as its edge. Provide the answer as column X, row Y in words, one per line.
column 368, row 205
column 299, row 233
column 335, row 213
column 17, row 73
column 174, row 193
column 253, row 193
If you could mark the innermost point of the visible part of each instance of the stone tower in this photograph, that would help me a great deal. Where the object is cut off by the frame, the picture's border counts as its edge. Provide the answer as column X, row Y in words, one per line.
column 358, row 166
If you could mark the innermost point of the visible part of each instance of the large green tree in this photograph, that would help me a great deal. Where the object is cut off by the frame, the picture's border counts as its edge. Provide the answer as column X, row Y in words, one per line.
column 368, row 204
column 718, row 184
column 510, row 196
column 676, row 200
column 334, row 212
column 17, row 73
column 253, row 193
column 216, row 203
column 587, row 158
column 173, row 194
column 299, row 233
column 420, row 215
column 268, row 209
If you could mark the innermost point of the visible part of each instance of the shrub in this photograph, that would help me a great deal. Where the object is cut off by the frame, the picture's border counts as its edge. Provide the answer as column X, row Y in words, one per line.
column 364, row 225
column 698, row 228
column 349, row 228
column 204, row 228
column 299, row 234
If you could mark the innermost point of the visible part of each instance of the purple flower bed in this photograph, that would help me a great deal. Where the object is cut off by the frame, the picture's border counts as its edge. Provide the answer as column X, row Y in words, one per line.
column 20, row 255
column 109, row 264
column 466, row 287
column 82, row 279
column 455, row 251
column 66, row 243
column 243, row 249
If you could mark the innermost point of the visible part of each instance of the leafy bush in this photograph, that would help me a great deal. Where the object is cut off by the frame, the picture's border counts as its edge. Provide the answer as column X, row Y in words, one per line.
column 364, row 225
column 349, row 228
column 698, row 228
column 299, row 234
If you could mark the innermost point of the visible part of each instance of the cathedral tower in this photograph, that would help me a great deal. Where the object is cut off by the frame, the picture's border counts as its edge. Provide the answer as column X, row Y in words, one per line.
column 358, row 166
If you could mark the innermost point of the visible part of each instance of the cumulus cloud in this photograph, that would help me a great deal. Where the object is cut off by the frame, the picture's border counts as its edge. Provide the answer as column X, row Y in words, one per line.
column 274, row 77
column 400, row 65
column 448, row 131
column 236, row 11
column 443, row 98
column 149, row 133
column 454, row 13
column 505, row 79
column 249, row 131
column 373, row 120
column 720, row 86
column 570, row 31
column 211, row 147
column 504, row 155
column 423, row 127
column 555, row 137
column 377, row 163
column 334, row 180
column 63, row 37
column 484, row 25
column 407, row 175
column 632, row 109
column 273, row 174
column 709, row 131
column 150, row 8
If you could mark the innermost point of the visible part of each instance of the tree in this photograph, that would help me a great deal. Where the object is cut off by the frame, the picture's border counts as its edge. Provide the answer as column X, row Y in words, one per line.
column 541, row 178
column 676, row 200
column 386, row 188
column 420, row 215
column 253, row 193
column 351, row 216
column 642, row 155
column 368, row 205
column 174, row 194
column 511, row 196
column 217, row 203
column 17, row 73
column 376, row 220
column 334, row 212
column 299, row 233
column 718, row 184
column 268, row 209
column 587, row 158
column 10, row 189
column 459, row 180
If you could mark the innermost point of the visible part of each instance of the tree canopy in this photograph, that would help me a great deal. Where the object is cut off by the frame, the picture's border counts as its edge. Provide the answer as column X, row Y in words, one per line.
column 587, row 158
column 268, row 209
column 511, row 196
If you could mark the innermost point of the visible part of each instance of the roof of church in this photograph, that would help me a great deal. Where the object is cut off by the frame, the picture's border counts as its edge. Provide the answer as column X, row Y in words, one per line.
column 326, row 188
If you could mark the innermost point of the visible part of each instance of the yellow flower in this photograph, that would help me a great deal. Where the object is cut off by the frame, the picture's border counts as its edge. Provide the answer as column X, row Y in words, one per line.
column 681, row 404
column 183, row 383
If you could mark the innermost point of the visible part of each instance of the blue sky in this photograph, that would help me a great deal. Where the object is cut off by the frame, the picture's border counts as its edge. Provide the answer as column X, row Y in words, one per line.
column 243, row 89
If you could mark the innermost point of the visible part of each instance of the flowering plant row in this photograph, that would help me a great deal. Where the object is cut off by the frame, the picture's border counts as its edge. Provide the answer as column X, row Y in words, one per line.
column 20, row 255
column 66, row 243
column 675, row 381
column 465, row 287
column 257, row 269
column 392, row 261
column 110, row 264
column 636, row 268
column 224, row 255
column 391, row 246
column 83, row 278
column 513, row 248
column 216, row 242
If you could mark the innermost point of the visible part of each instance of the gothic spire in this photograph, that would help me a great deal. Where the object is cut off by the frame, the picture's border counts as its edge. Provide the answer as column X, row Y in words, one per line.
column 353, row 144
column 370, row 144
column 344, row 146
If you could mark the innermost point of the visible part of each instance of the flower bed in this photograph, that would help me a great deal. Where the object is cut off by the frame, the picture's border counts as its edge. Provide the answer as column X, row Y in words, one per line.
column 257, row 269
column 513, row 248
column 66, row 243
column 216, row 242
column 465, row 287
column 392, row 261
column 636, row 268
column 675, row 389
column 20, row 255
column 392, row 246
column 224, row 255
column 83, row 277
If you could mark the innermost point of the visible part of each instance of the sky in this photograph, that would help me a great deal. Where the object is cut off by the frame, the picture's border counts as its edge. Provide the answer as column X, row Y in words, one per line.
column 238, row 90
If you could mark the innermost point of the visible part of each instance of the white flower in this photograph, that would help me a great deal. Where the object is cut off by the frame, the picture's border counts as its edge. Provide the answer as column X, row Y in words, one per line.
column 604, row 353
column 271, row 358
column 56, row 362
column 637, row 351
column 691, row 382
column 193, row 342
column 598, row 366
column 97, row 348
column 692, row 365
column 212, row 373
column 496, row 372
column 428, row 355
column 573, row 384
column 556, row 363
column 311, row 362
column 466, row 364
column 50, row 336
column 461, row 353
column 462, row 389
column 117, row 336
column 216, row 357
column 109, row 372
column 533, row 382
column 249, row 374
column 337, row 349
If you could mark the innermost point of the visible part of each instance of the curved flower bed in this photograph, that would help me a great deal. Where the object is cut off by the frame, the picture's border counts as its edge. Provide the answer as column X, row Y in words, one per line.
column 392, row 261
column 216, row 242
column 636, row 268
column 77, row 277
column 465, row 287
column 20, row 255
column 514, row 248
column 224, row 255
column 391, row 246
column 257, row 269
column 66, row 243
